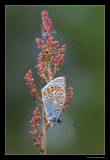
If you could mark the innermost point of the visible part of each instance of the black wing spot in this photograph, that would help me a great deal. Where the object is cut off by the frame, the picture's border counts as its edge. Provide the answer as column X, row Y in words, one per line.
column 57, row 109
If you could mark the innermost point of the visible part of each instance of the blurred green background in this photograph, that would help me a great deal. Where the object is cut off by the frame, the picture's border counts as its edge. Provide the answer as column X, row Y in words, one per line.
column 81, row 28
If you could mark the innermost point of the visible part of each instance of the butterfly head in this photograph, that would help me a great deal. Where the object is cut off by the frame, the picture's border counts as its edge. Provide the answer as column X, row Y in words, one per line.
column 54, row 120
column 57, row 119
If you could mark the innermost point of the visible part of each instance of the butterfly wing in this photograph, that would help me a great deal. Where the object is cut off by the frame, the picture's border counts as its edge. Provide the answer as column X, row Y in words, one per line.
column 53, row 97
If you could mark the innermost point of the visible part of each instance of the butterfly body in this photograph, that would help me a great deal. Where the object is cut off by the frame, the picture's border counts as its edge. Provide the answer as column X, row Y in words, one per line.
column 53, row 97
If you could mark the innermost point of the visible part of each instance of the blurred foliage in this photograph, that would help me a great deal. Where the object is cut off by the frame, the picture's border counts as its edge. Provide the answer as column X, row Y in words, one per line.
column 82, row 29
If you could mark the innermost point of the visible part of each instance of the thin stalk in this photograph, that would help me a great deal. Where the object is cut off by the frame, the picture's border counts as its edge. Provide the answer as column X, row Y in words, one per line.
column 45, row 125
column 44, row 129
column 49, row 70
column 49, row 66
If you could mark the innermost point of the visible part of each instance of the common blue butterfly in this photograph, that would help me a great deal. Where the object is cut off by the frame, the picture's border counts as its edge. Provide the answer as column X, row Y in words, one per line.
column 53, row 97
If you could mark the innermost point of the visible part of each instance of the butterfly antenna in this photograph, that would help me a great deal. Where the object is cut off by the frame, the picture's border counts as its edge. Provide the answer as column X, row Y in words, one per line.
column 71, row 123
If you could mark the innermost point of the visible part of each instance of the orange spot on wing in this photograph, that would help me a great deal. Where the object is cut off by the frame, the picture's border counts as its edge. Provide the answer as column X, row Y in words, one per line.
column 61, row 92
column 52, row 88
column 44, row 94
column 58, row 88
column 48, row 90
column 55, row 88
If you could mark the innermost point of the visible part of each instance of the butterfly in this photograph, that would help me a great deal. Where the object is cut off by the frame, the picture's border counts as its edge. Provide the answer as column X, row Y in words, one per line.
column 53, row 97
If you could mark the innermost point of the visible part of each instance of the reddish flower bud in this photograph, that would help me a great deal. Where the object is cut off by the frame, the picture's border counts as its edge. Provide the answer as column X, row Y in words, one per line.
column 31, row 132
column 69, row 102
column 44, row 13
column 42, row 81
column 33, row 125
column 34, row 139
column 42, row 149
column 35, row 143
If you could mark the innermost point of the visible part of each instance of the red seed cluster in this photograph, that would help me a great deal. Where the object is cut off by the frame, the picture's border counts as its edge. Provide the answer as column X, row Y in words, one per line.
column 38, row 135
column 31, row 85
column 68, row 98
column 51, row 57
column 47, row 28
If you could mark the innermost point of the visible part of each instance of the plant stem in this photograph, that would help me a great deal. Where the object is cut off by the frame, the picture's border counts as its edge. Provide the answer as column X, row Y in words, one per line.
column 45, row 125
column 44, row 128
column 49, row 66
